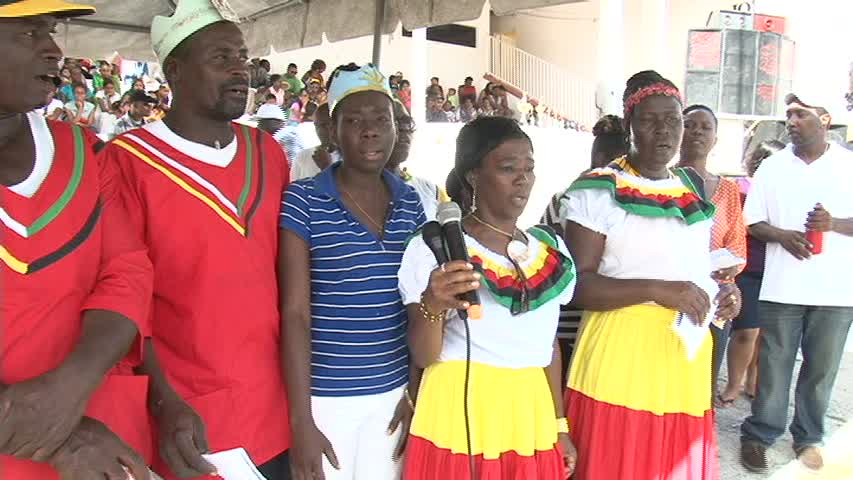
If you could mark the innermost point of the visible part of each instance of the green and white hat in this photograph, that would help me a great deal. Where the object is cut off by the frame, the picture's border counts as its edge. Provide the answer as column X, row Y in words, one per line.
column 190, row 16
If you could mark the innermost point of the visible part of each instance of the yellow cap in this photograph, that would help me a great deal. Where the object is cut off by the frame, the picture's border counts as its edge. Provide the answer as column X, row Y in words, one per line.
column 475, row 312
column 31, row 8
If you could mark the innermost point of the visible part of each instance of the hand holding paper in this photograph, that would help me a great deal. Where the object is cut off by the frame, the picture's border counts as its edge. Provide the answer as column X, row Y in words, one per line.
column 722, row 259
column 234, row 465
column 692, row 334
column 691, row 329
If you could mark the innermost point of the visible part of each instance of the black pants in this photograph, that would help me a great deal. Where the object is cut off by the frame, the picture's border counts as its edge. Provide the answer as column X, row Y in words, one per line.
column 566, row 348
column 277, row 469
column 720, row 337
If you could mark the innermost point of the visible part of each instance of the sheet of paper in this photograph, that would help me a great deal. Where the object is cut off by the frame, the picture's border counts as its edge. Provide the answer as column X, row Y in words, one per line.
column 234, row 465
column 151, row 474
column 722, row 258
column 691, row 334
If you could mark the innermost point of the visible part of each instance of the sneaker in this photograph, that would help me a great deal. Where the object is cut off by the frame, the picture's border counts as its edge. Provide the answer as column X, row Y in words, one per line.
column 810, row 457
column 753, row 456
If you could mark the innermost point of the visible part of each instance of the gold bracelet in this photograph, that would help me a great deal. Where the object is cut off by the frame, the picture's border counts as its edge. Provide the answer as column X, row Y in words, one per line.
column 562, row 425
column 409, row 398
column 428, row 315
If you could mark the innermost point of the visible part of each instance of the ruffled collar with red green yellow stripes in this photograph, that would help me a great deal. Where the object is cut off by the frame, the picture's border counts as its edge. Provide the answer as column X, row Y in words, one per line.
column 675, row 197
column 531, row 282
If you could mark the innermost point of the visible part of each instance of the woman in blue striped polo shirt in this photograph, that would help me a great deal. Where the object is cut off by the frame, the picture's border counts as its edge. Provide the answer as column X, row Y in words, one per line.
column 344, row 323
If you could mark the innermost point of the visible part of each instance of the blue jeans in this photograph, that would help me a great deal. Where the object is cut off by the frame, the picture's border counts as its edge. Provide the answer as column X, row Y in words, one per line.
column 821, row 332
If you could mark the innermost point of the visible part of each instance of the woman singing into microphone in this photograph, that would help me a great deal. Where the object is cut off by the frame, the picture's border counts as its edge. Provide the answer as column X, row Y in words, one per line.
column 514, row 391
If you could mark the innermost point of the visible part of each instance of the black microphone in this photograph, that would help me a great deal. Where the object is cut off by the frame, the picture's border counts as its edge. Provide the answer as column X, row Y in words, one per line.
column 432, row 238
column 450, row 217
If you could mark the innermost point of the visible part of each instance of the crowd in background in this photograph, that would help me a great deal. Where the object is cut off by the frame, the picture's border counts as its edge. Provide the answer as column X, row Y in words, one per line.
column 93, row 95
column 96, row 96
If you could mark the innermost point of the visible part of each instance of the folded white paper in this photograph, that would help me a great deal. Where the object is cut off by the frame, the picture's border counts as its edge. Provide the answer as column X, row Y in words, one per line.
column 234, row 465
column 722, row 258
column 691, row 334
column 151, row 474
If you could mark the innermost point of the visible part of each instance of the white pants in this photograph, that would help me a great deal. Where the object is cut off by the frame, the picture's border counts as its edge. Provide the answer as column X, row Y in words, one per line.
column 357, row 428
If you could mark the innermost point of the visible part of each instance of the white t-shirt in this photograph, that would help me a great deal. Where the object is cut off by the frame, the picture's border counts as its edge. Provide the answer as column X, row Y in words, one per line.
column 305, row 167
column 429, row 194
column 221, row 157
column 45, row 150
column 54, row 105
column 785, row 189
column 116, row 97
column 498, row 339
column 642, row 247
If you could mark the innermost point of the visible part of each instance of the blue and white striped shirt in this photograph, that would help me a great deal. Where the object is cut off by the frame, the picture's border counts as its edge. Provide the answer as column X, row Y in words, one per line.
column 358, row 320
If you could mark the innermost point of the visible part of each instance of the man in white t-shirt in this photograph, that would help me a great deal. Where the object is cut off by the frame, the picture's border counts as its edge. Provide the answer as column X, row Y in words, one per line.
column 429, row 193
column 806, row 298
column 312, row 161
column 54, row 108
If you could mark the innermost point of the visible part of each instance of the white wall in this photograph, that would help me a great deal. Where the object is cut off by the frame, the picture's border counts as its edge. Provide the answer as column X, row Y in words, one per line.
column 451, row 63
column 561, row 155
column 565, row 35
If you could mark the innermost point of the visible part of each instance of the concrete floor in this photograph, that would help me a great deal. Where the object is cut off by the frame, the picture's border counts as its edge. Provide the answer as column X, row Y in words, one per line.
column 838, row 452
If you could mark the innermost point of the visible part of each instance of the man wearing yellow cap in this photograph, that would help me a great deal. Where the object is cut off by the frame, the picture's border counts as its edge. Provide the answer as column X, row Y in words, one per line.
column 75, row 285
column 205, row 193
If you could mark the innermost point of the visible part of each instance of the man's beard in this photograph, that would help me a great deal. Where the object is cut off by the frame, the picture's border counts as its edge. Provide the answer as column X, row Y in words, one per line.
column 227, row 111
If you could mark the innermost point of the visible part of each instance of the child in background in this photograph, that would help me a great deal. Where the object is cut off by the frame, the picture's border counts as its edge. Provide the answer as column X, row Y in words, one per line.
column 453, row 98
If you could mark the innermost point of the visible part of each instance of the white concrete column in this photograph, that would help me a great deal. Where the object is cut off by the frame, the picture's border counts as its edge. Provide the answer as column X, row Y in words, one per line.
column 611, row 56
column 650, row 48
column 419, row 77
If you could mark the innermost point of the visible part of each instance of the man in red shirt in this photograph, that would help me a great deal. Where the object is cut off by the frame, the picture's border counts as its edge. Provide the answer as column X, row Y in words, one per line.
column 75, row 285
column 467, row 91
column 205, row 195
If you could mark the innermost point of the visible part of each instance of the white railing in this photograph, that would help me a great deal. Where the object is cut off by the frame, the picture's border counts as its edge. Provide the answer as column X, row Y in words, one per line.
column 559, row 90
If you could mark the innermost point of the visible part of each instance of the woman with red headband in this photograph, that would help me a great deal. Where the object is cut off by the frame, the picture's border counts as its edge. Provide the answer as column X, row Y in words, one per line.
column 639, row 399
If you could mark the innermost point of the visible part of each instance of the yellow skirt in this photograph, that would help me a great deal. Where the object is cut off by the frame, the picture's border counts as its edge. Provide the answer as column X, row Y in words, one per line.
column 512, row 421
column 631, row 384
column 632, row 358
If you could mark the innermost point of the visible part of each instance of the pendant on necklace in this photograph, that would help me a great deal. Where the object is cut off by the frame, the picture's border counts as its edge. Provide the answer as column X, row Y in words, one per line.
column 517, row 251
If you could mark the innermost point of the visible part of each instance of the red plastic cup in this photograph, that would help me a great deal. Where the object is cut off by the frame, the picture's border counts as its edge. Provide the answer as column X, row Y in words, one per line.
column 816, row 239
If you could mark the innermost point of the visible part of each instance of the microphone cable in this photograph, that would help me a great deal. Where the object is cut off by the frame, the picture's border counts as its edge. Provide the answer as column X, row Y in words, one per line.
column 464, row 316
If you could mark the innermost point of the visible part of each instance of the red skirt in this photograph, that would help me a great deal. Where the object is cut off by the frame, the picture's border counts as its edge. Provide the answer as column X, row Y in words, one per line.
column 511, row 415
column 638, row 405
column 651, row 447
column 425, row 461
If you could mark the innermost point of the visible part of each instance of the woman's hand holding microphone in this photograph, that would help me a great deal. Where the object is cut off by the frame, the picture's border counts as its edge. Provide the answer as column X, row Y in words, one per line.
column 446, row 285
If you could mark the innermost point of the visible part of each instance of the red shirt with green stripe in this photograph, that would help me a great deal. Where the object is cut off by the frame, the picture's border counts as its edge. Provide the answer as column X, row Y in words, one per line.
column 65, row 250
column 209, row 218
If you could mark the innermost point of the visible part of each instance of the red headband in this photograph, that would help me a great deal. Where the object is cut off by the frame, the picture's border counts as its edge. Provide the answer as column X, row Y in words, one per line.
column 645, row 92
